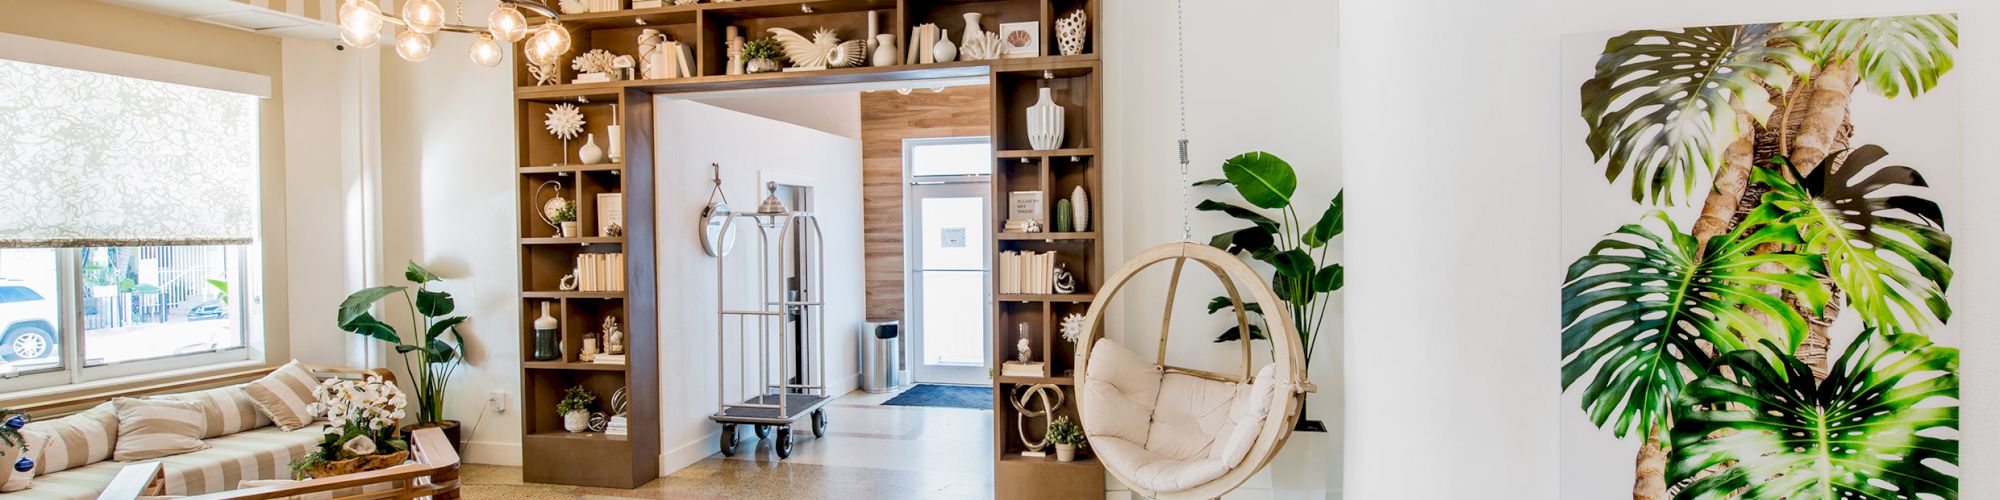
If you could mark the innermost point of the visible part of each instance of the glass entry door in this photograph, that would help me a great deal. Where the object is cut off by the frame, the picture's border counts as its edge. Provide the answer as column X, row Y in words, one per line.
column 948, row 230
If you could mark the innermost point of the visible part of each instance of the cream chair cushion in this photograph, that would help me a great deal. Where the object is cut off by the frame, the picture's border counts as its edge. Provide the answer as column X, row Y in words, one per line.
column 265, row 453
column 154, row 428
column 1189, row 431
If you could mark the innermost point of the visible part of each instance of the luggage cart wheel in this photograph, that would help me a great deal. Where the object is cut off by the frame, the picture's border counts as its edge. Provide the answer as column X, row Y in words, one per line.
column 728, row 440
column 763, row 431
column 784, row 441
column 819, row 423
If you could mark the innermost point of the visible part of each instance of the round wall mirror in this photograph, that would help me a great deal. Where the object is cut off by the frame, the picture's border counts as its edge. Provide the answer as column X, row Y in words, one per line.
column 718, row 229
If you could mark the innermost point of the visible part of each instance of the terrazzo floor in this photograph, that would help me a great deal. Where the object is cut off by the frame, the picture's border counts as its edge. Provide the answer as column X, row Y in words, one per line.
column 870, row 452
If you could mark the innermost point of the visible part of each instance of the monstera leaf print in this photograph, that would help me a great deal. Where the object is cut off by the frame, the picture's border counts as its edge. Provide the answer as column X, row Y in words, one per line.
column 1885, row 247
column 1659, row 106
column 1635, row 306
column 1896, row 55
column 1875, row 428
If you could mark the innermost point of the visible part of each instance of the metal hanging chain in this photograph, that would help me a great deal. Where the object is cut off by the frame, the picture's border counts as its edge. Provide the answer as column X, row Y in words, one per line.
column 1180, row 47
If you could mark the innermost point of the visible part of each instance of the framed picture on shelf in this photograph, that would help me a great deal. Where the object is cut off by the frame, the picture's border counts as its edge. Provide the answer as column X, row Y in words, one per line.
column 610, row 214
column 1025, row 205
column 1022, row 39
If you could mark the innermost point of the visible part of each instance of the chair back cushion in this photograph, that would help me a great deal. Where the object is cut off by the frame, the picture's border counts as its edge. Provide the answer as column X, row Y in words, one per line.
column 1251, row 405
column 283, row 396
column 228, row 410
column 77, row 440
column 1189, row 414
column 154, row 428
column 1121, row 389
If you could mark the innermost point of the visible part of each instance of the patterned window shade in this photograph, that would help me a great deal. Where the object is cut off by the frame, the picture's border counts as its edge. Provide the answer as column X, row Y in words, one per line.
column 93, row 159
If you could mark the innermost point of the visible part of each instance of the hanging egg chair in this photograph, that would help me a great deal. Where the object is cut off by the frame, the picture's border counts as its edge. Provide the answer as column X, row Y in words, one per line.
column 1169, row 432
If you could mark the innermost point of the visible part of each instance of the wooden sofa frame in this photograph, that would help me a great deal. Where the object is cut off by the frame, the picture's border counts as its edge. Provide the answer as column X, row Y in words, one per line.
column 432, row 472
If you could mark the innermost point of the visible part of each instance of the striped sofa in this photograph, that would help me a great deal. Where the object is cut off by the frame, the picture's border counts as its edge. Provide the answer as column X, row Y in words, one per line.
column 243, row 445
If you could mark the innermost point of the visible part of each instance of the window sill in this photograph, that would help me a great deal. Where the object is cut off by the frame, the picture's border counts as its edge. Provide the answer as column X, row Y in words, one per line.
column 187, row 379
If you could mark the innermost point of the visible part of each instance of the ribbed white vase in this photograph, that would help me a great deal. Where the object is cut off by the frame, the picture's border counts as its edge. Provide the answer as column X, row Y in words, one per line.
column 1045, row 123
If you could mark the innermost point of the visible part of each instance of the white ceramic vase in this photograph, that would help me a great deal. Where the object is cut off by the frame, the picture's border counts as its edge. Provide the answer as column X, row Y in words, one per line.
column 615, row 141
column 590, row 153
column 571, row 230
column 652, row 56
column 972, row 29
column 885, row 50
column 1065, row 453
column 1080, row 204
column 576, row 421
column 1045, row 123
column 944, row 51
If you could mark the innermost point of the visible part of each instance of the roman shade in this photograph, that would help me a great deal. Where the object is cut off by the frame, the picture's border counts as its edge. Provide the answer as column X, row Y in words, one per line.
column 100, row 148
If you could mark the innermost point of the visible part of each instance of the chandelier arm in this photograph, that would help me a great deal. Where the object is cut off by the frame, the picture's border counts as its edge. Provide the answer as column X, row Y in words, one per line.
column 535, row 6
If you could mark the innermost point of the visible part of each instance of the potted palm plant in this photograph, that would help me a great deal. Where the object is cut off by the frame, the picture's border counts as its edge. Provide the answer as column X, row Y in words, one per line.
column 433, row 354
column 1301, row 275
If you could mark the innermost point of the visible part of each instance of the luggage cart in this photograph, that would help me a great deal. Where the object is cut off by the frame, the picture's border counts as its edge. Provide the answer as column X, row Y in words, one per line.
column 777, row 320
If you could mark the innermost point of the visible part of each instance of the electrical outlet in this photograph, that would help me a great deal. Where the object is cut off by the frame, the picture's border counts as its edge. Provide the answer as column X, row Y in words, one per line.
column 496, row 402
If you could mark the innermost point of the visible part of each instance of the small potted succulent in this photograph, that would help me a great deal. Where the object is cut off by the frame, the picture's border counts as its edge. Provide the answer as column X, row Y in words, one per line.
column 565, row 216
column 575, row 408
column 12, row 446
column 762, row 56
column 1068, row 437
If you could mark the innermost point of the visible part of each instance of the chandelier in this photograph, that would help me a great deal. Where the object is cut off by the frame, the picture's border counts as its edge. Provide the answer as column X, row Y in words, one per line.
column 361, row 24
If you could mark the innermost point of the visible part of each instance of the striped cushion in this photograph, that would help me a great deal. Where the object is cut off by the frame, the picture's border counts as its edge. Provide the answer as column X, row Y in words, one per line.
column 283, row 396
column 17, row 480
column 265, row 453
column 229, row 410
column 77, row 440
column 154, row 428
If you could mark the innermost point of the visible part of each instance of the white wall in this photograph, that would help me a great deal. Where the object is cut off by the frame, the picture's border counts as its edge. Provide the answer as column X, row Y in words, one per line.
column 322, row 181
column 750, row 150
column 1255, row 81
column 1452, row 127
column 447, row 201
column 837, row 113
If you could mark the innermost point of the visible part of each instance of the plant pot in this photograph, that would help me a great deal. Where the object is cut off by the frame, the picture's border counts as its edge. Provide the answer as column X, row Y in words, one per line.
column 1065, row 452
column 576, row 421
column 763, row 65
column 359, row 464
column 451, row 433
column 570, row 230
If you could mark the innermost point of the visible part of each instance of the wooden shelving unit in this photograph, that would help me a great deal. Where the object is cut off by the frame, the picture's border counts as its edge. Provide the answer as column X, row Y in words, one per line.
column 550, row 455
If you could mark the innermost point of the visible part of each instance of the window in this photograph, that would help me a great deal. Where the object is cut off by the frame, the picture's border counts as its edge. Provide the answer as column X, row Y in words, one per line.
column 130, row 246
column 947, row 220
column 948, row 157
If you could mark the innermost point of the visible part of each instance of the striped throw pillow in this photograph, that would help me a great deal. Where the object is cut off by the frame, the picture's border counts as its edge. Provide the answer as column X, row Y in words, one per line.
column 283, row 396
column 17, row 480
column 76, row 440
column 228, row 409
column 154, row 428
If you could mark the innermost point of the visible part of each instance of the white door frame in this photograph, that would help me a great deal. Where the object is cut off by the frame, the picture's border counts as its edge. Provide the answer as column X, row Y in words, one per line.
column 967, row 186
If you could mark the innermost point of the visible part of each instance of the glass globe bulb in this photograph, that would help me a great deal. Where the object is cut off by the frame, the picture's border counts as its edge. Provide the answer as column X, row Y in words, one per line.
column 507, row 23
column 360, row 23
column 423, row 16
column 486, row 51
column 413, row 46
column 554, row 40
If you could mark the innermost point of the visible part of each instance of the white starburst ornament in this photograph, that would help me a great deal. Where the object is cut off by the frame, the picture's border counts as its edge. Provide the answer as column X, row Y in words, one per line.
column 564, row 121
column 1072, row 327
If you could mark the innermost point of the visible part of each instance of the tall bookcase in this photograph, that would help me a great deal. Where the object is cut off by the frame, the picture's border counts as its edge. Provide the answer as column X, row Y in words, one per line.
column 550, row 455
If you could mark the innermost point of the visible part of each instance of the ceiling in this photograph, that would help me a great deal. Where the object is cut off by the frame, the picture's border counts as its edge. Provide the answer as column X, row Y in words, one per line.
column 240, row 15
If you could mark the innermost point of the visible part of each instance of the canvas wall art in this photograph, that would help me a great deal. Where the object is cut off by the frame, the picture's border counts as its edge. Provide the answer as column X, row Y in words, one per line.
column 1756, row 229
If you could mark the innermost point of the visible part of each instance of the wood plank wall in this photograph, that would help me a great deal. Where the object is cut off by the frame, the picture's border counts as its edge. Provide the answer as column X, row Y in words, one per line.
column 886, row 119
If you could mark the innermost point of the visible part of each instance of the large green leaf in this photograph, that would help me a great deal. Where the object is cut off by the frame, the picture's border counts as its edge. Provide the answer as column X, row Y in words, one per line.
column 443, row 325
column 1238, row 212
column 1883, row 245
column 1879, row 426
column 366, row 324
column 434, row 304
column 358, row 303
column 1235, row 333
column 1330, row 278
column 417, row 274
column 1672, row 90
column 1331, row 223
column 1635, row 306
column 1262, row 179
column 1220, row 303
column 1896, row 55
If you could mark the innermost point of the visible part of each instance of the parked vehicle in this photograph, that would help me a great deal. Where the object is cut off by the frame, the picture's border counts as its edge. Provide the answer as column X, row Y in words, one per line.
column 30, row 322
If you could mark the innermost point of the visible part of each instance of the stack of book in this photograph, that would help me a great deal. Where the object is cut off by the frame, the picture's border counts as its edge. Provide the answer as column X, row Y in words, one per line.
column 1027, row 272
column 608, row 359
column 1020, row 369
column 600, row 272
column 923, row 43
column 616, row 427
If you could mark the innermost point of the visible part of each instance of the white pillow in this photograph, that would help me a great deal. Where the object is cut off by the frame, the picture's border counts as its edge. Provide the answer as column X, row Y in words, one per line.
column 22, row 480
column 283, row 396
